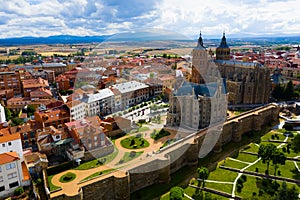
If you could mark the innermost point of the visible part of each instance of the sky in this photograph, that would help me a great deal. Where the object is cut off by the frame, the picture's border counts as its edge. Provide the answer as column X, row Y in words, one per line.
column 40, row 18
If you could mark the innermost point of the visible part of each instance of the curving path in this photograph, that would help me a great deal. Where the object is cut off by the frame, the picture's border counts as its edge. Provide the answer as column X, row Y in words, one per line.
column 71, row 188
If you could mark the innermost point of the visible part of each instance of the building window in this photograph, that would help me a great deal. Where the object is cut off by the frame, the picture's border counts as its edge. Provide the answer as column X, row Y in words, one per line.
column 14, row 184
column 2, row 188
column 10, row 166
column 0, row 169
column 3, row 145
column 12, row 175
column 9, row 143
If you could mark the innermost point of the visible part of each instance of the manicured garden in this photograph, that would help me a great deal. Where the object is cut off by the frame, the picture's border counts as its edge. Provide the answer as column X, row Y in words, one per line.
column 51, row 186
column 128, row 156
column 98, row 162
column 68, row 177
column 272, row 149
column 134, row 142
column 160, row 134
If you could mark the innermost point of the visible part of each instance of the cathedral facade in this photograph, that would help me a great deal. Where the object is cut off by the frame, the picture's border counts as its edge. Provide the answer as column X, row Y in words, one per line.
column 247, row 83
column 215, row 83
column 202, row 102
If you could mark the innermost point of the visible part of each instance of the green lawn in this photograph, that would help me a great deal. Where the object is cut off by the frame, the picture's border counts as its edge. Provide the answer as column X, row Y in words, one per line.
column 143, row 128
column 287, row 170
column 51, row 186
column 251, row 148
column 98, row 174
column 98, row 162
column 222, row 175
column 128, row 156
column 250, row 187
column 160, row 134
column 246, row 157
column 279, row 133
column 219, row 186
column 193, row 192
column 238, row 112
column 234, row 164
column 134, row 142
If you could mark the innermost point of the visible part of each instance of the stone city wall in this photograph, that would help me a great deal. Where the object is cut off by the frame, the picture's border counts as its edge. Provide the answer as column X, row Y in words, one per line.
column 177, row 155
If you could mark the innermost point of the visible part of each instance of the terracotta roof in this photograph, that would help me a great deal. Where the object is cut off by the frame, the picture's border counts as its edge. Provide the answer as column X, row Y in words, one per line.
column 26, row 175
column 94, row 120
column 21, row 128
column 6, row 136
column 8, row 157
column 53, row 114
column 31, row 83
column 41, row 92
column 74, row 103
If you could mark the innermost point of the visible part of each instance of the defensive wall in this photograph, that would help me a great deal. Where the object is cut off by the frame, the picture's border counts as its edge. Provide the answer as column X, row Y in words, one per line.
column 158, row 167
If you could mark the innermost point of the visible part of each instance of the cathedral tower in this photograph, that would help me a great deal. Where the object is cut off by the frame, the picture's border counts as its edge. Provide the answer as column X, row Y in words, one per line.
column 199, row 62
column 223, row 51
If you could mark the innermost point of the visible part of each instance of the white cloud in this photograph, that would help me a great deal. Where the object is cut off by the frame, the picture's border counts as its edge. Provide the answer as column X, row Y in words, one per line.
column 94, row 17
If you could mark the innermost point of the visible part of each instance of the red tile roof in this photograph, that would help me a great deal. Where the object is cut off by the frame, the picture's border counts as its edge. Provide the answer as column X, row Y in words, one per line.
column 6, row 136
column 8, row 157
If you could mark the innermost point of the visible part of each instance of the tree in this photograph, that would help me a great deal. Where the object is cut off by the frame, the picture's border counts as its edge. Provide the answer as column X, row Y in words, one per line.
column 30, row 110
column 289, row 91
column 176, row 193
column 203, row 174
column 278, row 91
column 7, row 113
column 286, row 193
column 296, row 144
column 265, row 152
column 278, row 158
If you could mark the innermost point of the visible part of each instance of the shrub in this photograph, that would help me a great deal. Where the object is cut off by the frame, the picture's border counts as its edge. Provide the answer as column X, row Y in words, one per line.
column 239, row 188
column 244, row 178
column 67, row 177
column 279, row 173
column 18, row 191
column 253, row 193
column 284, row 149
column 272, row 137
column 240, row 181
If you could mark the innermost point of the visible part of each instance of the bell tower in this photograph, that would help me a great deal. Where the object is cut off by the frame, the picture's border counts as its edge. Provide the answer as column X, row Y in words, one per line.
column 223, row 51
column 199, row 62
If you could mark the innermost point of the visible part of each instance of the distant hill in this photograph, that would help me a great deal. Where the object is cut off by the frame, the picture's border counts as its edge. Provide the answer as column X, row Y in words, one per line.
column 148, row 36
column 58, row 39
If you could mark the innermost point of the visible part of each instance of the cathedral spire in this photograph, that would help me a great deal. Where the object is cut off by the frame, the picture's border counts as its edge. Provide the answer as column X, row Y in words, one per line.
column 223, row 43
column 200, row 41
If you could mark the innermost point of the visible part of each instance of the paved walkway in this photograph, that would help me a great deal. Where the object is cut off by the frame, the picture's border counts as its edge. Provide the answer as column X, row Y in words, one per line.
column 71, row 188
column 247, row 163
column 240, row 174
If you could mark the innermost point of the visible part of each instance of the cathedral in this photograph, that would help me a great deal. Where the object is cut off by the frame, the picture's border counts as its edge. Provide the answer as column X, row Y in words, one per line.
column 246, row 82
column 215, row 83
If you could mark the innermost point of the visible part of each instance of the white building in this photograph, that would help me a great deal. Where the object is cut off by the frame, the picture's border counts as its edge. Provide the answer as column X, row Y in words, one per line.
column 101, row 102
column 13, row 173
column 10, row 142
column 77, row 110
column 132, row 93
column 2, row 114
